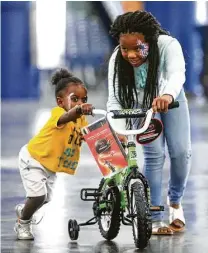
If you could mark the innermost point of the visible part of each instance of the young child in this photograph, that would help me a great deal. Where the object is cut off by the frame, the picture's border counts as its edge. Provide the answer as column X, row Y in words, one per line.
column 56, row 148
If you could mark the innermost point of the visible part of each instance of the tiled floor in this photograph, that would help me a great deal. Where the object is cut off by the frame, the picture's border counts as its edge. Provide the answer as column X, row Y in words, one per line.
column 19, row 122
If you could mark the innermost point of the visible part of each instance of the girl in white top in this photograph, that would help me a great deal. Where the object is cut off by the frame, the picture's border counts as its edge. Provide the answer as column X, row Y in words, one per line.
column 146, row 70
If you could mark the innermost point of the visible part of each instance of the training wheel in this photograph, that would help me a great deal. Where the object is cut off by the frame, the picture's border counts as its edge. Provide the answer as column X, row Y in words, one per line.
column 73, row 229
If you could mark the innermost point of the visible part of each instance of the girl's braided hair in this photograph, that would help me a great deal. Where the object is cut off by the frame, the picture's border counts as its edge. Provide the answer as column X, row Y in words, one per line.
column 137, row 22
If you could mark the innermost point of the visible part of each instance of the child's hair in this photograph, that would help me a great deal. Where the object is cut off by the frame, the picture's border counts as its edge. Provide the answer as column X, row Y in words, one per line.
column 145, row 23
column 61, row 79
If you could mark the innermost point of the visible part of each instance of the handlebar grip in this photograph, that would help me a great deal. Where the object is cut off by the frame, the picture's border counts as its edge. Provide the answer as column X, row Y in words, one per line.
column 128, row 113
column 173, row 105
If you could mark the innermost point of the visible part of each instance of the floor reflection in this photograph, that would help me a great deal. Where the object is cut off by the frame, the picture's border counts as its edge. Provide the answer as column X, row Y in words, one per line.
column 52, row 233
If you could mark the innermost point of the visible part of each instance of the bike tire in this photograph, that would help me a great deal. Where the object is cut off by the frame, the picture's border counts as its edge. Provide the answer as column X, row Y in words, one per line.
column 143, row 229
column 115, row 220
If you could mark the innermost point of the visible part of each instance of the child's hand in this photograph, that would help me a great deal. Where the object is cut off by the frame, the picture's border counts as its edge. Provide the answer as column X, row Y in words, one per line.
column 87, row 109
column 160, row 104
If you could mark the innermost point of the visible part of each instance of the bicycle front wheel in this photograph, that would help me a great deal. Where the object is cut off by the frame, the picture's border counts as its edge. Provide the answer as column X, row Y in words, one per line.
column 140, row 213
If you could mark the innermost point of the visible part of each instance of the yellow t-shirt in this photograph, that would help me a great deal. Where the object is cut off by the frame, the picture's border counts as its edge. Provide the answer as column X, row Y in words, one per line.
column 57, row 148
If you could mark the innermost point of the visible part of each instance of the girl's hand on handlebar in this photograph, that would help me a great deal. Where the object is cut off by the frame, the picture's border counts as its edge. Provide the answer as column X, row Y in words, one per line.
column 160, row 104
column 86, row 109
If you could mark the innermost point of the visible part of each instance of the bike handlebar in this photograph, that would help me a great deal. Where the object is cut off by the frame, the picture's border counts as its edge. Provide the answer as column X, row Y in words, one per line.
column 173, row 105
column 131, row 113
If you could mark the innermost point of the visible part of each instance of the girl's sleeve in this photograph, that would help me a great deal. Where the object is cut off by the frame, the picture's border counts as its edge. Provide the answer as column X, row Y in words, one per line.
column 174, row 65
column 55, row 115
column 112, row 102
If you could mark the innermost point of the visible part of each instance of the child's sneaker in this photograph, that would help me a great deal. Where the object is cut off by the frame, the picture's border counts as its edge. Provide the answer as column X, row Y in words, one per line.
column 23, row 230
column 22, row 227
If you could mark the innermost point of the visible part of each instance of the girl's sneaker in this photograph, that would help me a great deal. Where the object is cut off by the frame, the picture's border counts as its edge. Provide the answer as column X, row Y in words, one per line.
column 23, row 230
column 22, row 227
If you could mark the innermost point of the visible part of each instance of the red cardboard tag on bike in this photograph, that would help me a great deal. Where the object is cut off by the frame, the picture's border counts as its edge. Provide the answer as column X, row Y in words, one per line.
column 105, row 147
column 152, row 133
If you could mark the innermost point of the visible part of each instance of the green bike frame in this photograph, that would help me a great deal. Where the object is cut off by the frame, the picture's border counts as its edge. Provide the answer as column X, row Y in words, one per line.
column 120, row 178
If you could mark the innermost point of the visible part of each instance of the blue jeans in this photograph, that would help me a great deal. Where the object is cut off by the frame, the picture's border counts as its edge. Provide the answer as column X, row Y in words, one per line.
column 176, row 134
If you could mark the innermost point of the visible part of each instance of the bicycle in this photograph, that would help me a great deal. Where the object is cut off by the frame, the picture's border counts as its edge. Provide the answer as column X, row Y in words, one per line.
column 123, row 195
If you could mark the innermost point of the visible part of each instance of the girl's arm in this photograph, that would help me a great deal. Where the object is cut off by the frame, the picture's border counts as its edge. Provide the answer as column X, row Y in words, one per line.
column 174, row 69
column 75, row 113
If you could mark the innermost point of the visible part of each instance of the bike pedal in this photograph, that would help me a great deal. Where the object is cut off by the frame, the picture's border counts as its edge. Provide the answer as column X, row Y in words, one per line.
column 156, row 208
column 90, row 194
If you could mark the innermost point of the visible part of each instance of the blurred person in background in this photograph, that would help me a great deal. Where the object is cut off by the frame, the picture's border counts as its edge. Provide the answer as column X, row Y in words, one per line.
column 147, row 70
column 56, row 148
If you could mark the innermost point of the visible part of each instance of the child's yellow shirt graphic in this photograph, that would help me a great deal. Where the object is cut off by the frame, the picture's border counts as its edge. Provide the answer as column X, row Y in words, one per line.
column 57, row 148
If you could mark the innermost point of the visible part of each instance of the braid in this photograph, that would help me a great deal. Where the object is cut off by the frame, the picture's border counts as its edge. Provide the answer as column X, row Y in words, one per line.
column 126, row 96
column 145, row 23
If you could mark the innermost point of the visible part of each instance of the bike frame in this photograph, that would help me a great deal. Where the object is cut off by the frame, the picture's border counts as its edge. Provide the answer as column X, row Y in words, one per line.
column 121, row 178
